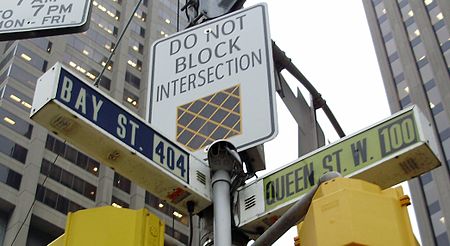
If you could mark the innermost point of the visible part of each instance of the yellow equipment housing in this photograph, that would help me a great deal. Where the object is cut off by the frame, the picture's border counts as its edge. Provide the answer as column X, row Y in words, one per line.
column 353, row 212
column 109, row 226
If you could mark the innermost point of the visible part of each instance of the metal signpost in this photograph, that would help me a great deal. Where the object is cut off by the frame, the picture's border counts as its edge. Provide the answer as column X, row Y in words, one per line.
column 107, row 131
column 390, row 152
column 35, row 18
column 216, row 81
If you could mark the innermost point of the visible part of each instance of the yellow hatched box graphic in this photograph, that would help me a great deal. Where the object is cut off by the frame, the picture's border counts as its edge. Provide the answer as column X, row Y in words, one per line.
column 216, row 116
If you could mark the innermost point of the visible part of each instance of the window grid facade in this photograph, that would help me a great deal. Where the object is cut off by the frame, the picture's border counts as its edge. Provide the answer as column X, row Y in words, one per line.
column 75, row 181
column 423, row 77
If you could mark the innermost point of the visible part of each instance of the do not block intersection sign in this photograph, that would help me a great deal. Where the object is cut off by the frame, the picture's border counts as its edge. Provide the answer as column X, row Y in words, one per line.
column 215, row 81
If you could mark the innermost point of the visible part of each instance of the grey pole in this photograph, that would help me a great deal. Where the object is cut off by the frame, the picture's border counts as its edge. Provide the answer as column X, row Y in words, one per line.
column 223, row 159
column 293, row 215
column 222, row 212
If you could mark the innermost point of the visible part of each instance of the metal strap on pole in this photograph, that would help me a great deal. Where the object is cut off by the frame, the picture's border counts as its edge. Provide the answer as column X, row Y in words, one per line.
column 283, row 62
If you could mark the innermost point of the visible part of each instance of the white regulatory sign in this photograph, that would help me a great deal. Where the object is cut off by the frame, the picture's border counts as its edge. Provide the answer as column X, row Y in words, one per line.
column 23, row 18
column 215, row 81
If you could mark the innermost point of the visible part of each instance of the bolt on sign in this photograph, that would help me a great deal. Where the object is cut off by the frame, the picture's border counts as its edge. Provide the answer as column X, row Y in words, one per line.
column 388, row 153
column 36, row 18
column 215, row 81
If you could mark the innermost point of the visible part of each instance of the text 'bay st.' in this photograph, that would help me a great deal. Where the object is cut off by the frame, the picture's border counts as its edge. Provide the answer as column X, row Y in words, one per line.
column 202, row 58
column 90, row 104
column 125, row 127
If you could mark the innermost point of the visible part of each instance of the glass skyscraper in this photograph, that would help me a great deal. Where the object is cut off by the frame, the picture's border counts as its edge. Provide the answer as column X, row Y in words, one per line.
column 28, row 171
column 412, row 43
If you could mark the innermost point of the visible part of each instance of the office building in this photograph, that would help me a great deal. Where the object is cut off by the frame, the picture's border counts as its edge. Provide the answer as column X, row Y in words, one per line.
column 412, row 43
column 29, row 174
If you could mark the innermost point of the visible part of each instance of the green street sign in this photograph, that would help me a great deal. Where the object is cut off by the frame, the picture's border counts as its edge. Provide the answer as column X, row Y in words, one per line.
column 387, row 153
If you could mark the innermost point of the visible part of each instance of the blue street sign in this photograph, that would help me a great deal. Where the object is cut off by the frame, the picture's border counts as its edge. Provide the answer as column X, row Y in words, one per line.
column 125, row 127
column 109, row 132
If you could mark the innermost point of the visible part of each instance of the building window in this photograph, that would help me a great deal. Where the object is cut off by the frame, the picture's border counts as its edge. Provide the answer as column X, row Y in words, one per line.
column 382, row 18
column 183, row 238
column 430, row 84
column 10, row 177
column 376, row 2
column 99, row 38
column 430, row 4
column 87, row 71
column 442, row 239
column 17, row 98
column 31, row 58
column 136, row 45
column 439, row 25
column 136, row 28
column 406, row 101
column 8, row 44
column 90, row 52
column 122, row 183
column 134, row 62
column 422, row 62
column 68, row 179
column 399, row 78
column 116, row 202
column 107, row 8
column 437, row 109
column 3, row 76
column 132, row 80
column 140, row 15
column 165, row 208
column 393, row 57
column 130, row 98
column 12, row 149
column 66, row 151
column 15, row 123
column 445, row 46
column 426, row 178
column 56, row 201
column 22, row 76
column 434, row 207
column 104, row 25
column 42, row 43
column 417, row 40
column 444, row 135
column 409, row 22
column 6, row 60
column 387, row 37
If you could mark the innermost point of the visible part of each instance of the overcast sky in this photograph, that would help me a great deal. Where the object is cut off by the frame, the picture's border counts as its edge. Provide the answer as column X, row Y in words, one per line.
column 330, row 42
